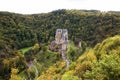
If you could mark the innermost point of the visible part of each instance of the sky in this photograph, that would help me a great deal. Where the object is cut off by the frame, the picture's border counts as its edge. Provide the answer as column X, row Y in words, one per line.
column 44, row 6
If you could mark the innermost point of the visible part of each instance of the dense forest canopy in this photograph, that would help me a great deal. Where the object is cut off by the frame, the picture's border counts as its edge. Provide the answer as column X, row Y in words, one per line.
column 91, row 26
column 36, row 31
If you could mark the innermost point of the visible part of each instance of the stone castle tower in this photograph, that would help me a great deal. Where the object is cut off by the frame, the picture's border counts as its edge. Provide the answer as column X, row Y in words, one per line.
column 61, row 40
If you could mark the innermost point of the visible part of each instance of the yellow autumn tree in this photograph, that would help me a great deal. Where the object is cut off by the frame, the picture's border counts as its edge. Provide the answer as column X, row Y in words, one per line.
column 14, row 76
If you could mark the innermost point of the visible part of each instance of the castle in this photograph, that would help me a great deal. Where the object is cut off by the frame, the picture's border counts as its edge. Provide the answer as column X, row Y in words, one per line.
column 61, row 41
column 61, row 37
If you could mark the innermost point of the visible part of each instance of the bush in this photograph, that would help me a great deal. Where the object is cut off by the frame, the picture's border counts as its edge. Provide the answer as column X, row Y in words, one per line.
column 105, row 69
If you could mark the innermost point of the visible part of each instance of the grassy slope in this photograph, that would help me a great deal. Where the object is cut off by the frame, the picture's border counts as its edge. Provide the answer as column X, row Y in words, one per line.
column 26, row 49
column 59, row 67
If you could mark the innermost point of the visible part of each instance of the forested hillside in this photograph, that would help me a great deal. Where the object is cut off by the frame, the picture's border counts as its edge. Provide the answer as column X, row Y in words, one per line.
column 98, row 63
column 36, row 31
column 90, row 26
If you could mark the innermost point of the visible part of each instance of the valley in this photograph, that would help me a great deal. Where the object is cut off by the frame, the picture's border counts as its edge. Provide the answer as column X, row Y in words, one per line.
column 93, row 49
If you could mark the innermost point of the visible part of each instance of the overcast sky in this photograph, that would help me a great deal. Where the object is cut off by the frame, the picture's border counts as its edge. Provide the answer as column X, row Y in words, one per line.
column 43, row 6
